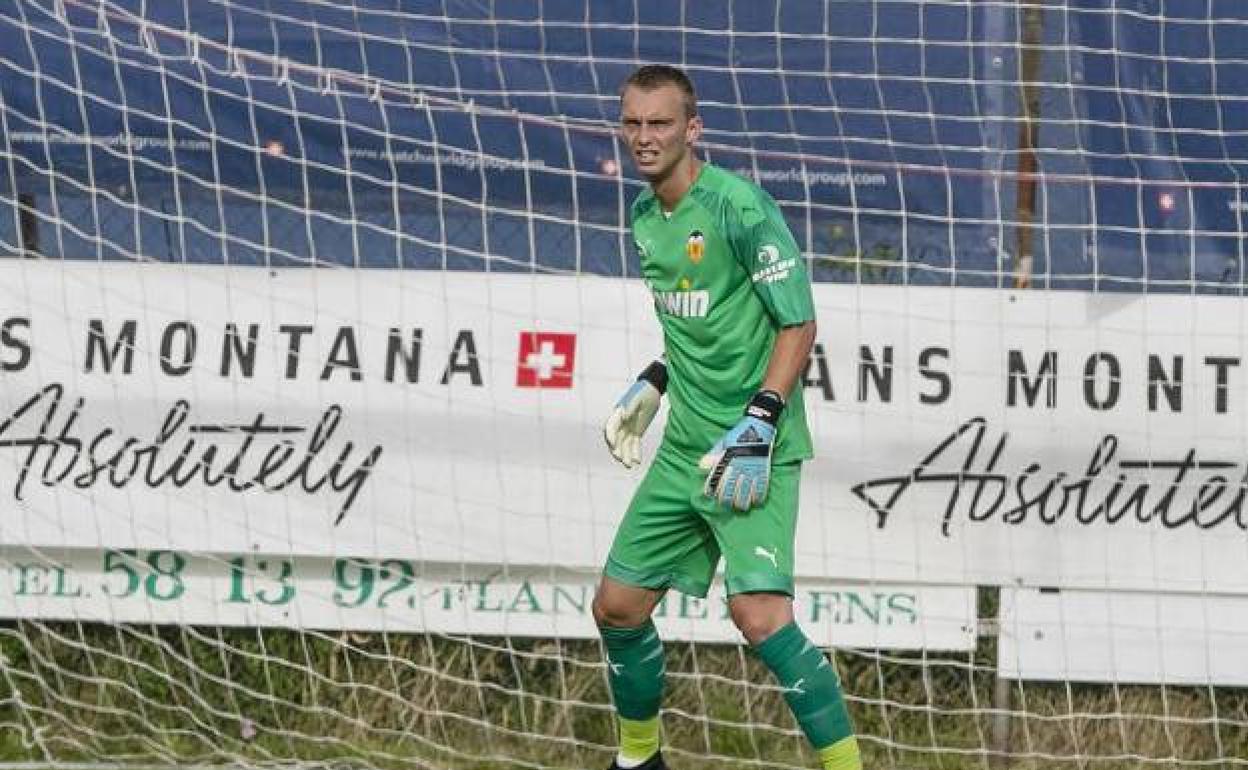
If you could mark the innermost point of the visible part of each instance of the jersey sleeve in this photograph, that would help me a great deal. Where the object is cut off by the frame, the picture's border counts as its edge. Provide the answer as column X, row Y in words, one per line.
column 770, row 256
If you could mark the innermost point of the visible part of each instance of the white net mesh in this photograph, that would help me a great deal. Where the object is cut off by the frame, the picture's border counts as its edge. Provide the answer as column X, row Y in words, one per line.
column 1092, row 147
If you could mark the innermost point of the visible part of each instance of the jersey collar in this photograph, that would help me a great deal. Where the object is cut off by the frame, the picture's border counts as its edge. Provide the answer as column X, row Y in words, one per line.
column 680, row 204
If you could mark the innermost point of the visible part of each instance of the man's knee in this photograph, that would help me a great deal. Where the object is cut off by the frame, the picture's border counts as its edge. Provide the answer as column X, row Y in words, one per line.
column 618, row 606
column 616, row 614
column 756, row 628
column 758, row 616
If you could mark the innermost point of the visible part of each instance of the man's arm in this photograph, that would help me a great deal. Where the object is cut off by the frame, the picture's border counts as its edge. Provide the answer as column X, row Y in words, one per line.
column 788, row 359
column 739, row 464
column 765, row 248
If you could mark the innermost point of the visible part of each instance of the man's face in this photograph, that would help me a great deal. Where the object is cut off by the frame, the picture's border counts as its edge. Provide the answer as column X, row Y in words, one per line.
column 656, row 130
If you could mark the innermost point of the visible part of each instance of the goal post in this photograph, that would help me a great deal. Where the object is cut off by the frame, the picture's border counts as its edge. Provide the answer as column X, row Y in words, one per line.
column 309, row 314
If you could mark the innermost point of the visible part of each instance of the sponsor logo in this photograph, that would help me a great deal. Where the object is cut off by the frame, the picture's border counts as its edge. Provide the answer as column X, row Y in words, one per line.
column 771, row 267
column 766, row 554
column 695, row 246
column 750, row 436
column 545, row 360
column 683, row 304
column 641, row 249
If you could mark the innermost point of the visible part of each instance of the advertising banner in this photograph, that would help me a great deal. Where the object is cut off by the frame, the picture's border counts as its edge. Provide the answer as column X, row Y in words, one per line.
column 963, row 436
column 1123, row 637
column 399, row 595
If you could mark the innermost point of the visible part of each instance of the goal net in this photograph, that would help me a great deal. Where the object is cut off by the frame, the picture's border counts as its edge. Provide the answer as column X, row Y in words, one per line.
column 310, row 311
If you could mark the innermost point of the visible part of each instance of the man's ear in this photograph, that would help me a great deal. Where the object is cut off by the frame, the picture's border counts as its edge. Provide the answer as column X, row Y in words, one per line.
column 693, row 130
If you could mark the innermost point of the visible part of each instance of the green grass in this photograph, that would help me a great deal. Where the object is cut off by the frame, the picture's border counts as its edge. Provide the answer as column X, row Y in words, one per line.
column 132, row 694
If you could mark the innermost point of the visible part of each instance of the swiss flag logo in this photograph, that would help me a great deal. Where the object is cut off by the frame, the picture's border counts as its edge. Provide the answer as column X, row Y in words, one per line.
column 546, row 360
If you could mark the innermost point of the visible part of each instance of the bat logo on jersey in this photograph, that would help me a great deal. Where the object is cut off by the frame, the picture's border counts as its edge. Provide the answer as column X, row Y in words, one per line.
column 695, row 246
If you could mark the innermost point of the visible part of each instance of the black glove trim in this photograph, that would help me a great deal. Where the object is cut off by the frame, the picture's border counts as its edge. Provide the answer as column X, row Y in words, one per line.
column 656, row 375
column 766, row 406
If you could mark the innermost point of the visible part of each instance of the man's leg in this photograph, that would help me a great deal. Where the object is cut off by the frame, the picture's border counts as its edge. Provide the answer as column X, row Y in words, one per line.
column 758, row 550
column 635, row 659
column 811, row 687
column 661, row 543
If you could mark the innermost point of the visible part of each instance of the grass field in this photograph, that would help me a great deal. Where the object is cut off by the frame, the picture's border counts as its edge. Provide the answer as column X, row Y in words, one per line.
column 180, row 696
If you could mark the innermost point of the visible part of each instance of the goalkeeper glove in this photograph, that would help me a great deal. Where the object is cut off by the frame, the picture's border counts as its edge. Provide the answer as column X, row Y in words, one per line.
column 740, row 462
column 633, row 413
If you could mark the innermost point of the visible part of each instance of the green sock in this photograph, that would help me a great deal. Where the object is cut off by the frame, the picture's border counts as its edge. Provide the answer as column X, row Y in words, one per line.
column 811, row 687
column 635, row 672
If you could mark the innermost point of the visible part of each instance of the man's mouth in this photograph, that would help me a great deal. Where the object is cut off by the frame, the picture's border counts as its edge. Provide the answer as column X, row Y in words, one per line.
column 646, row 156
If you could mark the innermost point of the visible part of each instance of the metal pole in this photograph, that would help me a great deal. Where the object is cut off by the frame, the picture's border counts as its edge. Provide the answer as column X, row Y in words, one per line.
column 28, row 223
column 1031, row 18
column 999, row 738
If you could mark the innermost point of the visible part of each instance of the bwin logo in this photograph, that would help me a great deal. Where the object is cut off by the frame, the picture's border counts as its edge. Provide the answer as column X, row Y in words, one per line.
column 683, row 304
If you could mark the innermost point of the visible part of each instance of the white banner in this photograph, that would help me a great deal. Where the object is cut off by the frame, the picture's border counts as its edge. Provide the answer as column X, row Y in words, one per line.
column 1124, row 637
column 1035, row 438
column 964, row 436
column 398, row 595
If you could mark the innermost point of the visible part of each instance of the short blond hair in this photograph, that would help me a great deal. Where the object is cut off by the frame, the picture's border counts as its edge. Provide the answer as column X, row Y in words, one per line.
column 653, row 76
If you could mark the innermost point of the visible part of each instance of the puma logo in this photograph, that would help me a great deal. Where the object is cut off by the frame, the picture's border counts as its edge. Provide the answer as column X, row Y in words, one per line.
column 797, row 687
column 616, row 668
column 769, row 555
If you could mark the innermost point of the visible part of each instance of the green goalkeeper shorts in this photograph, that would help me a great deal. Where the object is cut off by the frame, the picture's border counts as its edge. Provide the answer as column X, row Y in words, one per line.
column 672, row 535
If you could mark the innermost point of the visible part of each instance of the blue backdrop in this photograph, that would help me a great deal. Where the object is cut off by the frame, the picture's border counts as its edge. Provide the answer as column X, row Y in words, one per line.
column 889, row 131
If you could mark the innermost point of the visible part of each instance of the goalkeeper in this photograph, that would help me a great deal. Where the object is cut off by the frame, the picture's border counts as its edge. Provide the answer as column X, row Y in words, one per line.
column 734, row 302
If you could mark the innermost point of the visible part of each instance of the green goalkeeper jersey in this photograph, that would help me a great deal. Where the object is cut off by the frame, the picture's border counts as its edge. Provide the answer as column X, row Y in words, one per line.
column 726, row 276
